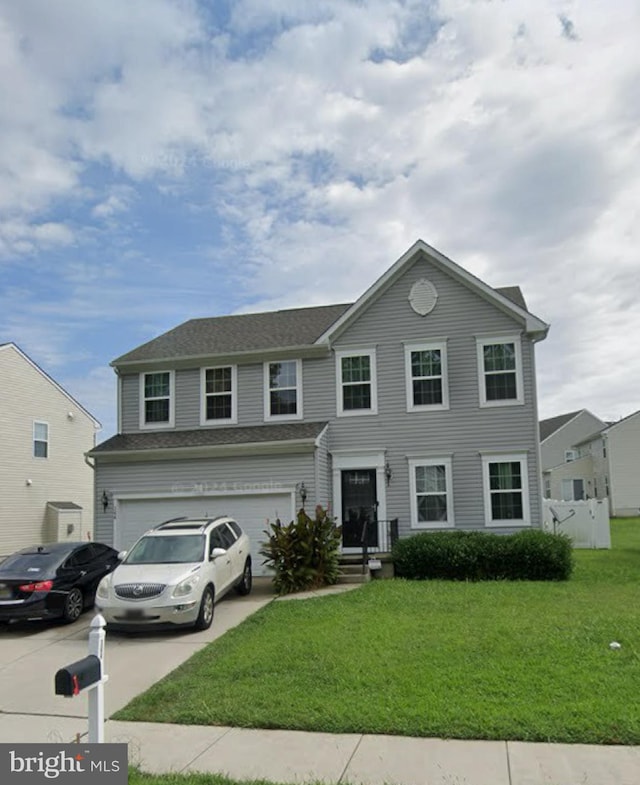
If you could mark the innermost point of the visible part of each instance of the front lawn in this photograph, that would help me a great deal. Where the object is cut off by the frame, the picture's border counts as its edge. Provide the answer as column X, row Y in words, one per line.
column 497, row 660
column 137, row 777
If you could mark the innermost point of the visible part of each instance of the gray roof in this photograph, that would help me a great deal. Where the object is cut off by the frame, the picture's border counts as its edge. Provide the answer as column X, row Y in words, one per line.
column 239, row 333
column 65, row 505
column 209, row 437
column 552, row 424
column 513, row 293
column 222, row 335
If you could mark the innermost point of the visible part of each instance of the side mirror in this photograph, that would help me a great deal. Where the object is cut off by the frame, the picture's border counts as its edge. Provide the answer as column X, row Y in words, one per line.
column 216, row 553
column 122, row 555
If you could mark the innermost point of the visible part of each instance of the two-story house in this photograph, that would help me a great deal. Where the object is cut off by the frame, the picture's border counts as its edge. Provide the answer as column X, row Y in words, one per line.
column 566, row 473
column 46, row 487
column 416, row 402
column 602, row 461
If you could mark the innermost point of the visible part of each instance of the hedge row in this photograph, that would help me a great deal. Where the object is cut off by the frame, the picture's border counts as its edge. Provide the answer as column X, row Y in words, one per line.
column 530, row 555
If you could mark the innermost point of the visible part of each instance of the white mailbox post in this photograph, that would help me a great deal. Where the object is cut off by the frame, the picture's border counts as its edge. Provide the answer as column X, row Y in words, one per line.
column 88, row 675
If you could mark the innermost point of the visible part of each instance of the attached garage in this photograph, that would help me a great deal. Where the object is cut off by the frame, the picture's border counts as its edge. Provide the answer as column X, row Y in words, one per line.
column 252, row 511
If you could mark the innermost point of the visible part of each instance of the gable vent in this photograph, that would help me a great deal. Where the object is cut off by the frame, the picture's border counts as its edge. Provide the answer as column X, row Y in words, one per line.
column 423, row 297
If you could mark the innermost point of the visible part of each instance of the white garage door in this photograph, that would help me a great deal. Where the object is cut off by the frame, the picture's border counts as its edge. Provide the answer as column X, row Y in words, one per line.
column 135, row 516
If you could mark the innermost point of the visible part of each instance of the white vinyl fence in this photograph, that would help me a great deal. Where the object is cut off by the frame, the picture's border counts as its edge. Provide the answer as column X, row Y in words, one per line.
column 586, row 522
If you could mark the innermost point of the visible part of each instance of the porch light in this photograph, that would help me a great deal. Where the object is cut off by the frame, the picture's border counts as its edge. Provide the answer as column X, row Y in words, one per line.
column 388, row 474
column 303, row 493
column 105, row 501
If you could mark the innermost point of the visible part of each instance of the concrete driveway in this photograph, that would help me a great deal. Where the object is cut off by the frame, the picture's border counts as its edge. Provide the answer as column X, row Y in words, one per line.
column 31, row 653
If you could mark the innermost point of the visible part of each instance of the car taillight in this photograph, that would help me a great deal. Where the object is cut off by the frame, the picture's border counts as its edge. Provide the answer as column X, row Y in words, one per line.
column 40, row 586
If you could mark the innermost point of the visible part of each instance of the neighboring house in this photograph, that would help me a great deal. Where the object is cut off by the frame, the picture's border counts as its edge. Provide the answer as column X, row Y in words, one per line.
column 602, row 461
column 614, row 454
column 46, row 486
column 416, row 402
column 565, row 475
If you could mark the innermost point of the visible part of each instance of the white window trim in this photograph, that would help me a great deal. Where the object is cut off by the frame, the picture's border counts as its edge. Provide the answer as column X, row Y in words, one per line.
column 422, row 347
column 154, row 426
column 33, row 443
column 371, row 353
column 448, row 472
column 520, row 458
column 268, row 417
column 481, row 342
column 570, row 455
column 234, row 397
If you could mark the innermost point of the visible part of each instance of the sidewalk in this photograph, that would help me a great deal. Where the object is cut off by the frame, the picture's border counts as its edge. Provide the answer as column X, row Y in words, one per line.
column 297, row 757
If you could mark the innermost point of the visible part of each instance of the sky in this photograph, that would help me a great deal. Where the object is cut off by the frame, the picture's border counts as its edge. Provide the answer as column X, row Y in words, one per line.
column 162, row 160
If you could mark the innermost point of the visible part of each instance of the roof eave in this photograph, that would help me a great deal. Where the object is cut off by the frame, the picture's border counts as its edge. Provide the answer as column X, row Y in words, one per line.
column 205, row 451
column 247, row 356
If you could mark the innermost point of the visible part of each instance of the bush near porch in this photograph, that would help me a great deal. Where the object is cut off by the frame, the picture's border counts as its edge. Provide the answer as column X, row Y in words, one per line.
column 485, row 660
column 478, row 556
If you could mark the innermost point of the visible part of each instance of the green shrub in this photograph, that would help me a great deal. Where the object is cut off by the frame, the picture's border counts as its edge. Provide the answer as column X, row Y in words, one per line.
column 531, row 555
column 303, row 554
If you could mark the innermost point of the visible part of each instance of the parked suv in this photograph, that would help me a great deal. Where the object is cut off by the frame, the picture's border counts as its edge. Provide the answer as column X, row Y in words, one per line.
column 175, row 573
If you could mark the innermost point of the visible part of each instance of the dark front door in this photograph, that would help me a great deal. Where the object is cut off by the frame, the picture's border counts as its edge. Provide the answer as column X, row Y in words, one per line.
column 359, row 508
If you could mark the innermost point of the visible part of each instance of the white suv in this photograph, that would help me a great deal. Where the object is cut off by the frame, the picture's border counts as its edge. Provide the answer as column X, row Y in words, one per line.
column 175, row 573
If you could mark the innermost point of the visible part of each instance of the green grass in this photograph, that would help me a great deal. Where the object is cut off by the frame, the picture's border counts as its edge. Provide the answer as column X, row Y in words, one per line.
column 137, row 777
column 495, row 660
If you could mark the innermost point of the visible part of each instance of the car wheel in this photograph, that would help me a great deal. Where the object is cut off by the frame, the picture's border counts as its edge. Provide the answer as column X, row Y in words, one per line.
column 244, row 587
column 73, row 605
column 205, row 617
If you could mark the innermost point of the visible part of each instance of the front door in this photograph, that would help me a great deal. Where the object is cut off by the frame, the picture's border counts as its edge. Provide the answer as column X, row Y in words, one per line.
column 359, row 507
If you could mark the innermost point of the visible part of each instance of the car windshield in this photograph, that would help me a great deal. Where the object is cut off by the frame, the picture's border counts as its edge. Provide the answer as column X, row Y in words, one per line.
column 167, row 549
column 36, row 563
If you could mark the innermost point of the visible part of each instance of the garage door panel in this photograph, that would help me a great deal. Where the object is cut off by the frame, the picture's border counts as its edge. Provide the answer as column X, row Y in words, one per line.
column 135, row 516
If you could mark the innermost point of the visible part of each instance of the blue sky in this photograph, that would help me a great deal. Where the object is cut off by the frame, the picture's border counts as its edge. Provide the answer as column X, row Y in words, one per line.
column 168, row 159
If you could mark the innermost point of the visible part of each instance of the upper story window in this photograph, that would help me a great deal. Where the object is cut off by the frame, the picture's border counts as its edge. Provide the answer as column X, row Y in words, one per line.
column 283, row 390
column 157, row 399
column 500, row 371
column 219, row 395
column 40, row 440
column 570, row 455
column 506, row 494
column 431, row 493
column 356, row 373
column 426, row 376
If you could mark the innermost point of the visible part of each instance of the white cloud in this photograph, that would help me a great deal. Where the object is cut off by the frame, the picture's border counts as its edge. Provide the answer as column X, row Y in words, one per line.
column 327, row 137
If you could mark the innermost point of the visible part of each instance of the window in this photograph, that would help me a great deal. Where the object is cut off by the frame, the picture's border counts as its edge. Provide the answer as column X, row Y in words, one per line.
column 547, row 486
column 431, row 493
column 218, row 402
column 506, row 490
column 283, row 392
column 40, row 440
column 157, row 399
column 570, row 455
column 426, row 374
column 356, row 372
column 500, row 371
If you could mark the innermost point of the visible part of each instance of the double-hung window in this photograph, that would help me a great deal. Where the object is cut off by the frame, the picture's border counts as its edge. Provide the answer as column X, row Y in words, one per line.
column 356, row 373
column 506, row 490
column 156, row 393
column 40, row 440
column 283, row 390
column 500, row 370
column 431, row 493
column 426, row 376
column 218, row 399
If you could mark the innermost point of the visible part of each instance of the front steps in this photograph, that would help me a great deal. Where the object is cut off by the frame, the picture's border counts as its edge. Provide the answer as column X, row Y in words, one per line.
column 352, row 573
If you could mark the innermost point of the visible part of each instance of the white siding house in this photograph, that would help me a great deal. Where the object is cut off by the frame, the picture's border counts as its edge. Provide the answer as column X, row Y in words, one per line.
column 46, row 487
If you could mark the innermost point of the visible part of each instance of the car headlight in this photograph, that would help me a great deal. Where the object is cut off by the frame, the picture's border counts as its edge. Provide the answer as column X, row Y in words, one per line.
column 186, row 586
column 103, row 588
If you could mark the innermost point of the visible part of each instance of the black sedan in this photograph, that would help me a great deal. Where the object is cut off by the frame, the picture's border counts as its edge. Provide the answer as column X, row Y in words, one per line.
column 53, row 581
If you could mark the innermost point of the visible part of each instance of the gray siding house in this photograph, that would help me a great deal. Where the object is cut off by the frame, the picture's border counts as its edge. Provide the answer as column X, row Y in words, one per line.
column 416, row 403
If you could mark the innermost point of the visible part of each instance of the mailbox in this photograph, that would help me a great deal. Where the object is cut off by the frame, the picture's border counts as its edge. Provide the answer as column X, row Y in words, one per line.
column 73, row 678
